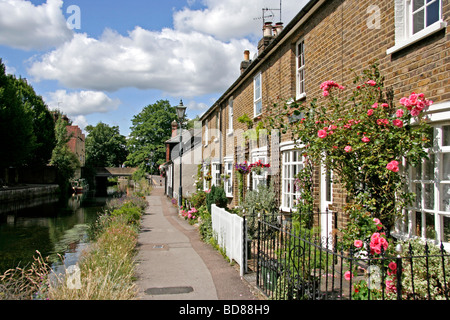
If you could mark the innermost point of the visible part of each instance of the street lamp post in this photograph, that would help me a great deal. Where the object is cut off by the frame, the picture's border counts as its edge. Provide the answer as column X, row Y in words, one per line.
column 181, row 109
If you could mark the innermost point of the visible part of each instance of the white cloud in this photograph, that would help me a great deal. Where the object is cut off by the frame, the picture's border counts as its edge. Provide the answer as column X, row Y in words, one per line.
column 25, row 26
column 227, row 19
column 81, row 103
column 80, row 121
column 178, row 63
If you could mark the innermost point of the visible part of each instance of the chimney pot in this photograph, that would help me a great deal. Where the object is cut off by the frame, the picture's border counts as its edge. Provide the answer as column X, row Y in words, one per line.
column 246, row 55
column 278, row 28
column 268, row 29
column 174, row 128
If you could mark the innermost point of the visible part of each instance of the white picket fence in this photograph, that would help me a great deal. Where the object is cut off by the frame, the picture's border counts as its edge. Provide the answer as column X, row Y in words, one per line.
column 229, row 232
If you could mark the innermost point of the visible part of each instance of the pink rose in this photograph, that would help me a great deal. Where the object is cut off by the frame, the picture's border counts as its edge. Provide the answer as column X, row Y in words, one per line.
column 397, row 123
column 348, row 275
column 358, row 243
column 375, row 105
column 393, row 266
column 385, row 105
column 325, row 93
column 370, row 112
column 393, row 166
column 415, row 112
column 348, row 149
column 371, row 83
column 365, row 139
column 399, row 113
column 322, row 134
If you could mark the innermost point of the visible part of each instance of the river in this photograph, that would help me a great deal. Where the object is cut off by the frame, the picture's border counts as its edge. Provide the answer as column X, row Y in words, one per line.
column 56, row 228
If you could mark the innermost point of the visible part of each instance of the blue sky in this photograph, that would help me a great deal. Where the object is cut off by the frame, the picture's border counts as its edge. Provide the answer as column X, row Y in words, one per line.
column 120, row 56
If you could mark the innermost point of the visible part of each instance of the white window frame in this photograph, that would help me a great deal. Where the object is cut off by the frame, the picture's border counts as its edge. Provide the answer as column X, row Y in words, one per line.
column 288, row 164
column 205, row 171
column 436, row 207
column 404, row 26
column 215, row 174
column 228, row 170
column 256, row 180
column 300, row 69
column 206, row 132
column 257, row 95
column 230, row 116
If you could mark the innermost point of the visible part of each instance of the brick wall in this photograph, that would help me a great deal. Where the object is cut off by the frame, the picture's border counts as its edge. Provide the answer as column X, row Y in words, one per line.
column 338, row 40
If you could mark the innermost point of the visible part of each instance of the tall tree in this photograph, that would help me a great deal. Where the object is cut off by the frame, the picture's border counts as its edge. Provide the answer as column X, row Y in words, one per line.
column 43, row 124
column 105, row 146
column 16, row 123
column 151, row 128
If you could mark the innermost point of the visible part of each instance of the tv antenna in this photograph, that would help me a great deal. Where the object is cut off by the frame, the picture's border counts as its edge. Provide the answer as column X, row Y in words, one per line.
column 269, row 13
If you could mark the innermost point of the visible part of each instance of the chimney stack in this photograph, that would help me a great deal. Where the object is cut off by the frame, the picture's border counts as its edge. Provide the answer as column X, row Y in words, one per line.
column 174, row 128
column 246, row 62
column 267, row 37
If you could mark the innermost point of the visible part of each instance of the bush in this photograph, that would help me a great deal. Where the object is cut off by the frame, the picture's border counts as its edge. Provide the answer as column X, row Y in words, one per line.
column 260, row 201
column 216, row 196
column 198, row 199
column 130, row 211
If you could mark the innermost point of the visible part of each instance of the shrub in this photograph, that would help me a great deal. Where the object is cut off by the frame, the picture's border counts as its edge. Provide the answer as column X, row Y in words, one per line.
column 130, row 211
column 216, row 196
column 198, row 199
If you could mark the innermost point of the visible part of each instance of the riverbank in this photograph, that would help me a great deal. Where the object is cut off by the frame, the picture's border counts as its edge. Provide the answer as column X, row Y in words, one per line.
column 25, row 196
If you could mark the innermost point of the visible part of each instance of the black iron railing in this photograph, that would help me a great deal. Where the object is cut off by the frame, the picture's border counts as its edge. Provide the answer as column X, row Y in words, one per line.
column 295, row 261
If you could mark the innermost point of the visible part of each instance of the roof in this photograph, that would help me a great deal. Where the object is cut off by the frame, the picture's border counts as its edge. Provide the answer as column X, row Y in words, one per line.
column 292, row 25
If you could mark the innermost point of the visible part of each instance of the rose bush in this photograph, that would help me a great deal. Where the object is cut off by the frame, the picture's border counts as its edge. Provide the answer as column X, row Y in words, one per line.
column 363, row 138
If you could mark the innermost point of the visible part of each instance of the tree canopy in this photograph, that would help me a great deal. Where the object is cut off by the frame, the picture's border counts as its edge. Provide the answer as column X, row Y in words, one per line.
column 26, row 125
column 151, row 128
column 105, row 146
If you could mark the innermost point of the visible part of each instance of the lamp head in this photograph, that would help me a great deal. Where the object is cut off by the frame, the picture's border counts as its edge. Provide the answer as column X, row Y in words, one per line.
column 181, row 110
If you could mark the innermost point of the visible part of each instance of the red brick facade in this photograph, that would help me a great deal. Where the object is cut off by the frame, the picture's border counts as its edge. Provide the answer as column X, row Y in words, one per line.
column 341, row 39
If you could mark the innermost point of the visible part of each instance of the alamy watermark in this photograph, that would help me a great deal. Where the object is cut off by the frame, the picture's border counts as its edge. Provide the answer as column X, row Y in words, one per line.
column 74, row 20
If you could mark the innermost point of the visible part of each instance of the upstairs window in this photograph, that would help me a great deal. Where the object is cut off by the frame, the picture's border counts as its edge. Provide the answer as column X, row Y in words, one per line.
column 230, row 115
column 416, row 20
column 300, row 69
column 257, row 100
column 424, row 14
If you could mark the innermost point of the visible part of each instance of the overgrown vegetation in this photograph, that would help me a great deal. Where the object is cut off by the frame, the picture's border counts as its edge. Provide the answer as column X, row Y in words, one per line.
column 104, row 272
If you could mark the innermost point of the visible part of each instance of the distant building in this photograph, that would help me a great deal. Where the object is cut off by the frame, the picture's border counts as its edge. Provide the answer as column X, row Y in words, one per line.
column 77, row 143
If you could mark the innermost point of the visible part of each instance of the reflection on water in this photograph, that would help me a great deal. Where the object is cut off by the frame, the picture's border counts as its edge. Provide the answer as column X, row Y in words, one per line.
column 54, row 228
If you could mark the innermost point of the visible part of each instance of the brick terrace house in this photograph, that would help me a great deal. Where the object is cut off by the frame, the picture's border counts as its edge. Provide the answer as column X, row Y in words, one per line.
column 410, row 39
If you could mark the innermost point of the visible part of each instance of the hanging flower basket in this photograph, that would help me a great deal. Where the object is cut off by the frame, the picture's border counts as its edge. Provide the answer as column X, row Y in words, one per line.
column 258, row 167
column 242, row 168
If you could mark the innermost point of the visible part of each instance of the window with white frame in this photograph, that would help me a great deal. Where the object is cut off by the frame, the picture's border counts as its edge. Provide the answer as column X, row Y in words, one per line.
column 415, row 20
column 259, row 179
column 300, row 70
column 429, row 216
column 206, row 132
column 292, row 164
column 257, row 99
column 228, row 183
column 230, row 115
column 215, row 173
column 206, row 172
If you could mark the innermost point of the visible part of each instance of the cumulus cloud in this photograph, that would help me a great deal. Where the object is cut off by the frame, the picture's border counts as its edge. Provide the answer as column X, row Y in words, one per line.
column 226, row 19
column 29, row 27
column 177, row 63
column 81, row 103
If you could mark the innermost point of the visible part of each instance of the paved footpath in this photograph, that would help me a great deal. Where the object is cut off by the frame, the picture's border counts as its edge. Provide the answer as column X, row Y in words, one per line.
column 174, row 264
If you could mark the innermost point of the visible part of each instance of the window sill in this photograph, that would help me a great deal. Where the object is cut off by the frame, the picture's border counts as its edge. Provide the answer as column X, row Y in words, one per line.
column 300, row 97
column 230, row 132
column 435, row 27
